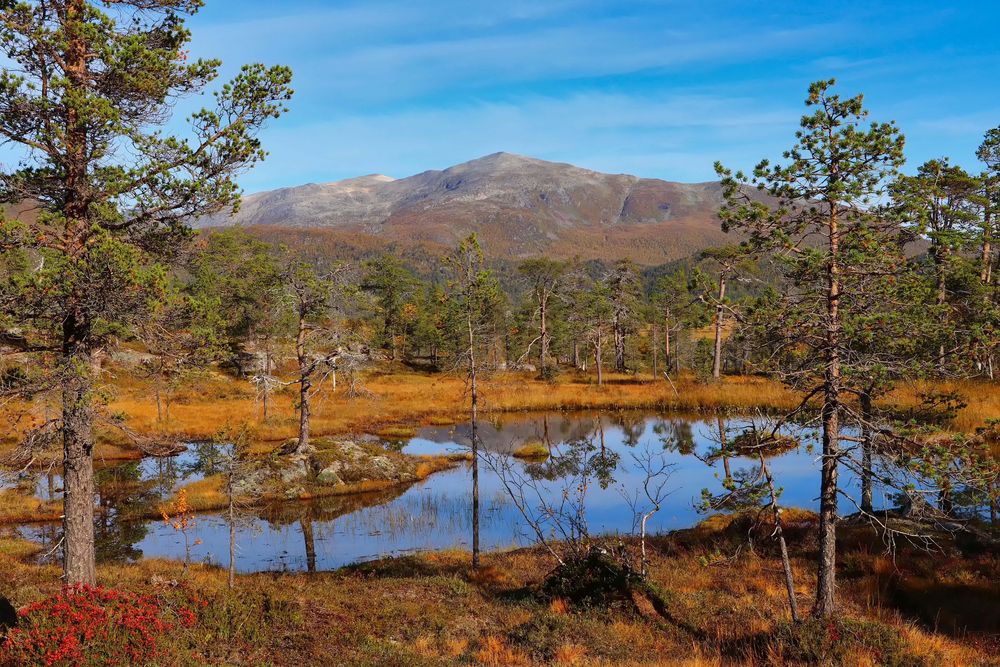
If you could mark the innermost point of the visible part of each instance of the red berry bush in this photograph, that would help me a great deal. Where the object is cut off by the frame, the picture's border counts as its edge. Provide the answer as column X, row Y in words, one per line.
column 85, row 625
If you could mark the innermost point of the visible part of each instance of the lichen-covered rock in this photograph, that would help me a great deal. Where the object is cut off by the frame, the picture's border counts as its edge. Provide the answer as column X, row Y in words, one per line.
column 330, row 462
column 294, row 468
column 330, row 475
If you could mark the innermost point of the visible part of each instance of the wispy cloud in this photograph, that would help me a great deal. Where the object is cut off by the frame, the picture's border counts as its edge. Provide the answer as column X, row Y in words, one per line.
column 676, row 137
column 387, row 53
column 653, row 87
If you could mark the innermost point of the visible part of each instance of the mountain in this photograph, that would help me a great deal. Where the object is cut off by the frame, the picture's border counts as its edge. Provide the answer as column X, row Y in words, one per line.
column 519, row 206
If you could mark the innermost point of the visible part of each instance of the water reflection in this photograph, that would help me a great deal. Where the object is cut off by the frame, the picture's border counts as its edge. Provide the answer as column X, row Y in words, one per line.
column 433, row 514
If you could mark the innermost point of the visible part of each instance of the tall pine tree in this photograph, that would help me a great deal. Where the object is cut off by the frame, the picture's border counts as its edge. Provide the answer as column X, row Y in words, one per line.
column 89, row 86
column 816, row 223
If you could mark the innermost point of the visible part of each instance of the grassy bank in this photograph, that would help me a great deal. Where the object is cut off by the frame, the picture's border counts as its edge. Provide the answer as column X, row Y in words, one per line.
column 723, row 605
column 208, row 494
column 395, row 402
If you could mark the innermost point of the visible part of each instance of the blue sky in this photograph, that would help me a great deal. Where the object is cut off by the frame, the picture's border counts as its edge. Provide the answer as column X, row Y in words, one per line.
column 658, row 89
column 654, row 88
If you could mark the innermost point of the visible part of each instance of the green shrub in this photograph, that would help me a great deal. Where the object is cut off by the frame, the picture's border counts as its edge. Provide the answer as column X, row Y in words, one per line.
column 832, row 642
column 541, row 636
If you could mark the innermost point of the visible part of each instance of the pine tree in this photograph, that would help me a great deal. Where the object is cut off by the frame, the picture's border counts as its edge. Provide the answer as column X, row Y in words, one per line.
column 240, row 275
column 393, row 286
column 478, row 299
column 817, row 224
column 88, row 85
column 672, row 302
column 624, row 290
column 943, row 203
column 545, row 277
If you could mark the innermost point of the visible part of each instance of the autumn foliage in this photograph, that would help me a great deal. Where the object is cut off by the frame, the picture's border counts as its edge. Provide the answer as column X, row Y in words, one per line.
column 87, row 625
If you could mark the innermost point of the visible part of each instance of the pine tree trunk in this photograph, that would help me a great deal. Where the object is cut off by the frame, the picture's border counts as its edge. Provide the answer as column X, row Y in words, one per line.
column 599, row 362
column 619, row 345
column 942, row 297
column 985, row 274
column 826, row 586
column 159, row 403
column 667, row 357
column 305, row 385
column 267, row 377
column 717, row 358
column 77, row 410
column 656, row 348
column 78, row 465
column 544, row 335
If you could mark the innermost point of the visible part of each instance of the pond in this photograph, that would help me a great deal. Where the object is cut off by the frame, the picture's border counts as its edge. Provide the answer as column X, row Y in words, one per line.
column 435, row 513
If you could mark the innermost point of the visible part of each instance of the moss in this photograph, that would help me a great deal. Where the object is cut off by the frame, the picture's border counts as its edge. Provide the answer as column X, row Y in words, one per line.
column 397, row 432
column 533, row 448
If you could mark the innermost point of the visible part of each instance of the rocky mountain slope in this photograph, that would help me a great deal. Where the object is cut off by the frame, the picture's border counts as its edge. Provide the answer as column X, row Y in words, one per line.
column 520, row 207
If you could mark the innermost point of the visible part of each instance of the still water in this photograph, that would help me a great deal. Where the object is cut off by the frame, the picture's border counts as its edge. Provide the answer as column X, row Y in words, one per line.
column 435, row 513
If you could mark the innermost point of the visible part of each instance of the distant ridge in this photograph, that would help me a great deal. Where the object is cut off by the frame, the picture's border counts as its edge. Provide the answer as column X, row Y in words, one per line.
column 520, row 206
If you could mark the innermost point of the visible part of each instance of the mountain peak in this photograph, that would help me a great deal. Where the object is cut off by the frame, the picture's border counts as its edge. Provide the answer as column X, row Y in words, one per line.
column 505, row 158
column 368, row 179
column 520, row 206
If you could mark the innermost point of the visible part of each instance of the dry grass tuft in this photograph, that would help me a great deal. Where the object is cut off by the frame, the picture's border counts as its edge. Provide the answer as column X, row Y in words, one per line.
column 488, row 575
column 494, row 652
column 455, row 646
column 570, row 654
column 532, row 449
column 559, row 606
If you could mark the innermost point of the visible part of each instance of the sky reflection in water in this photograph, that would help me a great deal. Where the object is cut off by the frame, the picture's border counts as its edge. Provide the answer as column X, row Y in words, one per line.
column 432, row 514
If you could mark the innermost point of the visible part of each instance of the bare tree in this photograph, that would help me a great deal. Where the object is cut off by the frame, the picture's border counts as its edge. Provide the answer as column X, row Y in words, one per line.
column 648, row 498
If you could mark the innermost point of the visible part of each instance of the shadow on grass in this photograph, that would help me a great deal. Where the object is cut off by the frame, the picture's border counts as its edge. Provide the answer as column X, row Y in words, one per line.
column 407, row 567
column 951, row 609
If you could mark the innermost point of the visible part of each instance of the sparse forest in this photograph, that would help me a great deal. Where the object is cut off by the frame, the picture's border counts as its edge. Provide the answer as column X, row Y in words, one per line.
column 151, row 368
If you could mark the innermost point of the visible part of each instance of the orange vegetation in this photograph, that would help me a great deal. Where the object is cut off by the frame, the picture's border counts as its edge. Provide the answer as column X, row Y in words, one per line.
column 723, row 604
column 397, row 401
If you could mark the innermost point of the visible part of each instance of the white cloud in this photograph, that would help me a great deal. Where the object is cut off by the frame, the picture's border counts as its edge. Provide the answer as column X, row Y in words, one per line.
column 676, row 137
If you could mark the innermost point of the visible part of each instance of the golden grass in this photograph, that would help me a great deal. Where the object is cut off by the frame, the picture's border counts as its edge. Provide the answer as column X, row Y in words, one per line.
column 16, row 507
column 17, row 548
column 397, row 432
column 559, row 606
column 532, row 449
column 570, row 654
column 982, row 400
column 434, row 609
column 402, row 401
column 494, row 652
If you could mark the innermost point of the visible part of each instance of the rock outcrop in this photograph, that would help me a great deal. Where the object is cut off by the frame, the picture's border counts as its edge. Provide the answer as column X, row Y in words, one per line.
column 329, row 464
